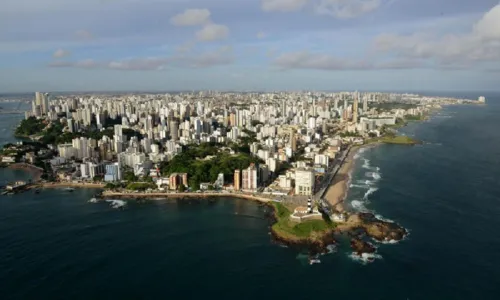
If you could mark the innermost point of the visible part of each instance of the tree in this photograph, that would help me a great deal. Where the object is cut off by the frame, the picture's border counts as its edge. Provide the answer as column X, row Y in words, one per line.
column 182, row 188
column 129, row 176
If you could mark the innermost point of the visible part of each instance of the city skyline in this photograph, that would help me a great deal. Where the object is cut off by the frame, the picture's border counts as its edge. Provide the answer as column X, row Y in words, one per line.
column 162, row 45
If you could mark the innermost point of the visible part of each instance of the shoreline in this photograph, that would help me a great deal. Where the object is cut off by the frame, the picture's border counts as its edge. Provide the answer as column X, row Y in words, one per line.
column 32, row 170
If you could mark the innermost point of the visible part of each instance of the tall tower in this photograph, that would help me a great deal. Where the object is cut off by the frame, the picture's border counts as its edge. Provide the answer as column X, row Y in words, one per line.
column 237, row 180
column 365, row 104
column 293, row 141
column 45, row 103
column 355, row 108
column 174, row 130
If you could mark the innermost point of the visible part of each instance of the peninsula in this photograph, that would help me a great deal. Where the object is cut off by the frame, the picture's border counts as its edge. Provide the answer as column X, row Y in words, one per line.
column 291, row 151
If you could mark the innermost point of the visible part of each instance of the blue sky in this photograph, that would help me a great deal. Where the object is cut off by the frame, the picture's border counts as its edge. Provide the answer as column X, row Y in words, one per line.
column 74, row 45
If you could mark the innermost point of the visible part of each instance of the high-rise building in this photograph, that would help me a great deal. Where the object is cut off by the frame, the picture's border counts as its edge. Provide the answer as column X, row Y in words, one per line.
column 355, row 108
column 45, row 103
column 365, row 104
column 293, row 142
column 304, row 182
column 174, row 130
column 249, row 178
column 237, row 180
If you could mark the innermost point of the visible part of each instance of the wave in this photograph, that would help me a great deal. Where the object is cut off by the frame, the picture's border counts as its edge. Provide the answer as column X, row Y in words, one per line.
column 359, row 153
column 359, row 205
column 369, row 192
column 364, row 258
column 361, row 186
column 381, row 218
column 116, row 203
column 366, row 164
column 331, row 248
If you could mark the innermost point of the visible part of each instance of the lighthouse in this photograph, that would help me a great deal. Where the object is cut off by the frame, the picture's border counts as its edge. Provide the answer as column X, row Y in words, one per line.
column 309, row 206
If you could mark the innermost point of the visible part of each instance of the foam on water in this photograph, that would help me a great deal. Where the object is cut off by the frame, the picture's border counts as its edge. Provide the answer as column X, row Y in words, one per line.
column 369, row 192
column 116, row 203
column 381, row 218
column 366, row 163
column 360, row 151
column 359, row 205
column 361, row 186
column 364, row 258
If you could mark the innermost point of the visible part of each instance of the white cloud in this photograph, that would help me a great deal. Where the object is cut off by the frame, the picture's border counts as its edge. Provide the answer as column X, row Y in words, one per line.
column 345, row 9
column 341, row 9
column 191, row 17
column 481, row 44
column 261, row 35
column 320, row 61
column 221, row 56
column 307, row 60
column 283, row 5
column 84, row 34
column 212, row 32
column 139, row 64
column 60, row 53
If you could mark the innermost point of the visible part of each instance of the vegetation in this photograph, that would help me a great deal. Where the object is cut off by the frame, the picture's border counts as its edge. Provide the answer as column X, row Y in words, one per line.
column 415, row 118
column 387, row 106
column 192, row 161
column 401, row 139
column 140, row 186
column 289, row 229
column 29, row 126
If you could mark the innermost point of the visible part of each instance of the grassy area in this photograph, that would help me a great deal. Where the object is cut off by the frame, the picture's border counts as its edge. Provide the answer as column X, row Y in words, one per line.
column 400, row 140
column 292, row 230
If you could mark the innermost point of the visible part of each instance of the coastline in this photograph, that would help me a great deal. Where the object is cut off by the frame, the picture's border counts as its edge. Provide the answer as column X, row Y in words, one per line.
column 32, row 170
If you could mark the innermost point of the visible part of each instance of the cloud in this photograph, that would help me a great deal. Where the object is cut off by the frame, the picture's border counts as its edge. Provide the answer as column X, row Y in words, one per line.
column 139, row 64
column 212, row 32
column 221, row 56
column 319, row 61
column 261, row 35
column 307, row 60
column 85, row 64
column 341, row 9
column 481, row 44
column 345, row 9
column 84, row 34
column 60, row 53
column 282, row 5
column 191, row 17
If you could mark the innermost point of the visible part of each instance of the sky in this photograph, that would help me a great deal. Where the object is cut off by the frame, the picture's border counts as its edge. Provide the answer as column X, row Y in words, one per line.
column 173, row 45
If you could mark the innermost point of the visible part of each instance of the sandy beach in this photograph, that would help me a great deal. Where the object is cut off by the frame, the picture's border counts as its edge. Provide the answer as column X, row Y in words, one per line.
column 337, row 191
column 159, row 195
column 70, row 184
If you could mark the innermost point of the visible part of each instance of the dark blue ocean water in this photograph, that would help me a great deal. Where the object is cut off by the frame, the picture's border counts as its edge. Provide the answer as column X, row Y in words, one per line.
column 55, row 245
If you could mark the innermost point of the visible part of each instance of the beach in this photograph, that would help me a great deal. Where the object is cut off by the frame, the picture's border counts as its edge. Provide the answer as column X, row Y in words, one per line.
column 338, row 189
column 70, row 184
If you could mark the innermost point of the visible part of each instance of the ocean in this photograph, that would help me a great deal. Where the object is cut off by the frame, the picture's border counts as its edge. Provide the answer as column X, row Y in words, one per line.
column 56, row 245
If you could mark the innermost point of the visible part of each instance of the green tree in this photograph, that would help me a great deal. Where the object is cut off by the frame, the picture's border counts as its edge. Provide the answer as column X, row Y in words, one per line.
column 182, row 188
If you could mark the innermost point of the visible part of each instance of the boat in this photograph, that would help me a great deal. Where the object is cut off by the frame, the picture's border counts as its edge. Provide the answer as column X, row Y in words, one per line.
column 69, row 189
column 37, row 191
column 93, row 200
column 314, row 261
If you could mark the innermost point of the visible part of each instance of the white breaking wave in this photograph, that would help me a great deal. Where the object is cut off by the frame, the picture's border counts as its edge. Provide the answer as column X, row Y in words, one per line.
column 365, row 258
column 358, row 154
column 331, row 248
column 116, row 203
column 369, row 192
column 359, row 205
column 387, row 242
column 361, row 186
column 366, row 163
column 381, row 218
